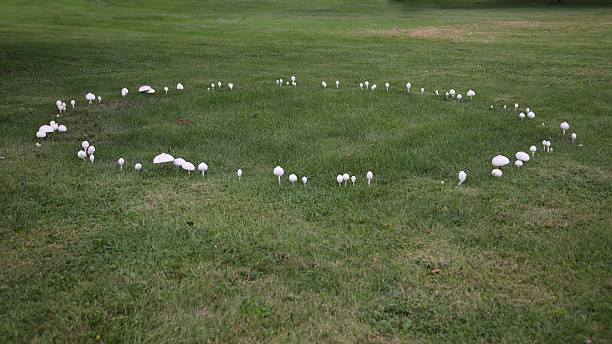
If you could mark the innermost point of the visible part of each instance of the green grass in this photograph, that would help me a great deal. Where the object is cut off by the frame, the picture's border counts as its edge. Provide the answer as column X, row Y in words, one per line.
column 89, row 250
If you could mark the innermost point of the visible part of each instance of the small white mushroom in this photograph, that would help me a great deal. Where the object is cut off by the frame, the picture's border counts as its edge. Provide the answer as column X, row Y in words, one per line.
column 408, row 87
column 203, row 167
column 353, row 179
column 219, row 84
column 436, row 93
column 41, row 134
column 387, row 86
column 187, row 166
column 62, row 128
column 339, row 179
column 496, row 172
column 573, row 137
column 85, row 144
column 121, row 162
column 369, row 176
column 292, row 179
column 505, row 107
column 179, row 87
column 99, row 99
column 166, row 89
column 452, row 93
column 533, row 150
column 422, row 90
column 278, row 172
column 531, row 114
column 345, row 178
column 239, row 174
column 82, row 155
column 366, row 83
column 470, row 93
column 373, row 87
column 522, row 116
column 73, row 103
column 92, row 158
column 516, row 106
column 564, row 126
column 292, row 78
column 124, row 92
column 462, row 176
column 138, row 167
column 337, row 84
column 324, row 84
column 91, row 150
column 518, row 164
column 231, row 86
column 304, row 180
column 459, row 97
column 447, row 94
column 361, row 85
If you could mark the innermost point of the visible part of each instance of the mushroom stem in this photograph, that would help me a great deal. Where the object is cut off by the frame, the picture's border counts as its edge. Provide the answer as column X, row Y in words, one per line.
column 279, row 180
column 369, row 182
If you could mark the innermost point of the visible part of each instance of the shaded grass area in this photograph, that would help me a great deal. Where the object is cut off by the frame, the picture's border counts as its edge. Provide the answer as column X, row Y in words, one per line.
column 89, row 250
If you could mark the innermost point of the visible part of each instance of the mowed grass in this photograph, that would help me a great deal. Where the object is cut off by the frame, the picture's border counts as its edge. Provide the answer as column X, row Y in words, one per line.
column 89, row 250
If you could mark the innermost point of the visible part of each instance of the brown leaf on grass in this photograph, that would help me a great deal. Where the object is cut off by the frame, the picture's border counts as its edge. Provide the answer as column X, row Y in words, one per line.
column 182, row 121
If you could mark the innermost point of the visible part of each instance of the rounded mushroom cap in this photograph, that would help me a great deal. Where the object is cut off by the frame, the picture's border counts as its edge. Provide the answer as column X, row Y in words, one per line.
column 369, row 175
column 41, row 134
column 81, row 154
column 533, row 149
column 84, row 144
column 521, row 115
column 361, row 84
column 46, row 129
column 166, row 88
column 121, row 161
column 387, row 84
column 408, row 85
column 179, row 86
column 187, row 166
column 124, row 91
column 239, row 172
column 292, row 78
column 203, row 167
column 573, row 135
column 72, row 102
column 179, row 161
column 462, row 175
column 339, row 178
column 522, row 156
column 459, row 96
column 471, row 93
column 163, row 158
column 531, row 115
column 304, row 180
column 90, row 96
column 500, row 160
column 92, row 158
column 496, row 172
column 292, row 178
column 345, row 177
column 353, row 179
column 138, row 166
column 366, row 83
column 451, row 92
column 278, row 171
column 564, row 126
column 62, row 128
column 91, row 150
column 323, row 83
column 144, row 88
column 58, row 103
column 518, row 163
column 151, row 91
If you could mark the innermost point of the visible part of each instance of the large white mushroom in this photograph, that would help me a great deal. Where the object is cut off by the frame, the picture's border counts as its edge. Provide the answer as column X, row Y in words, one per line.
column 470, row 93
column 462, row 176
column 278, row 172
column 369, row 176
column 203, row 167
column 531, row 114
column 564, row 126
column 178, row 162
column 162, row 159
column 522, row 156
column 345, row 178
column 292, row 179
column 187, row 166
column 90, row 97
column 82, row 155
column 500, row 161
column 339, row 179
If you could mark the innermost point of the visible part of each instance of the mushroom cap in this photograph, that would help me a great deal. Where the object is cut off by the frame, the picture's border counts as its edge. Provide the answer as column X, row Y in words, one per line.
column 531, row 115
column 81, row 154
column 451, row 92
column 292, row 178
column 179, row 86
column 151, row 91
column 179, row 162
column 323, row 83
column 91, row 150
column 408, row 85
column 369, row 175
column 521, row 115
column 124, row 91
column 293, row 78
column 353, row 179
column 573, row 135
column 339, row 178
column 90, row 96
column 187, row 166
column 121, row 161
column 84, row 144
column 62, row 128
column 533, row 149
column 72, row 102
column 366, row 83
column 163, row 158
column 144, row 88
column 459, row 96
column 138, row 166
column 203, row 167
column 564, row 126
column 522, row 156
column 500, row 160
column 92, row 158
column 278, row 171
column 58, row 103
column 470, row 93
column 304, row 180
column 518, row 163
column 386, row 84
column 239, row 172
column 345, row 177
column 166, row 88
column 46, row 129
column 496, row 172
column 99, row 98
column 41, row 134
column 462, row 176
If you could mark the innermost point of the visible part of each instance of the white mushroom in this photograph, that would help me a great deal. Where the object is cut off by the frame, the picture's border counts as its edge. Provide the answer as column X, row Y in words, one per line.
column 187, row 166
column 436, row 93
column 91, row 150
column 304, row 180
column 166, row 89
column 144, row 88
column 339, row 179
column 505, row 107
column 422, row 90
column 531, row 114
column 337, row 84
column 353, row 179
column 369, row 176
column 219, row 84
column 518, row 164
column 459, row 97
column 82, row 155
column 151, row 91
column 324, row 84
column 522, row 116
column 496, row 173
column 278, row 172
column 99, row 99
column 500, row 161
column 124, row 92
column 138, row 167
column 162, row 159
column 522, row 156
column 516, row 106
column 408, row 87
column 179, row 87
column 230, row 86
column 366, row 83
column 573, row 137
column 387, row 86
column 470, row 93
column 533, row 150
column 73, row 103
column 90, row 97
column 361, row 85
column 62, row 128
column 203, row 167
column 239, row 172
column 41, row 134
column 564, row 126
column 292, row 78
column 292, row 179
column 178, row 162
column 462, row 176
column 452, row 93
column 91, row 158
column 345, row 178
column 373, row 87
column 121, row 162
column 85, row 144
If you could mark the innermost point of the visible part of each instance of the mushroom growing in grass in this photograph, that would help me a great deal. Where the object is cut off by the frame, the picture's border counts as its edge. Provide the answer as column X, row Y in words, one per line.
column 219, row 84
column 124, row 92
column 518, row 164
column 85, row 145
column 459, row 97
column 82, row 155
column 373, row 87
column 496, row 172
column 41, row 134
column 522, row 116
column 339, row 179
column 564, row 126
column 369, row 176
column 548, row 144
column 324, row 84
column 353, row 179
column 239, row 174
column 505, row 107
column 91, row 150
column 278, row 172
column 138, row 167
column 422, row 90
column 144, row 89
column 292, row 179
column 121, row 162
column 500, row 161
column 387, row 86
column 166, row 89
column 531, row 115
column 304, row 180
column 462, row 176
column 73, row 103
column 187, row 166
column 203, row 167
column 522, row 156
column 516, row 106
column 452, row 93
column 90, row 97
column 62, row 128
column 345, row 178
column 367, row 84
column 292, row 78
column 361, row 85
column 92, row 158
column 99, row 99
column 470, row 93
column 179, row 87
column 178, row 162
column 491, row 107
column 408, row 87
column 533, row 150
column 230, row 86
column 162, row 159
column 337, row 84
column 436, row 93
column 573, row 137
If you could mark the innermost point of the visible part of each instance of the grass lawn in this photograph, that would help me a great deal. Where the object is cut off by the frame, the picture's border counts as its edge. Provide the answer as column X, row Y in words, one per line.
column 89, row 250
